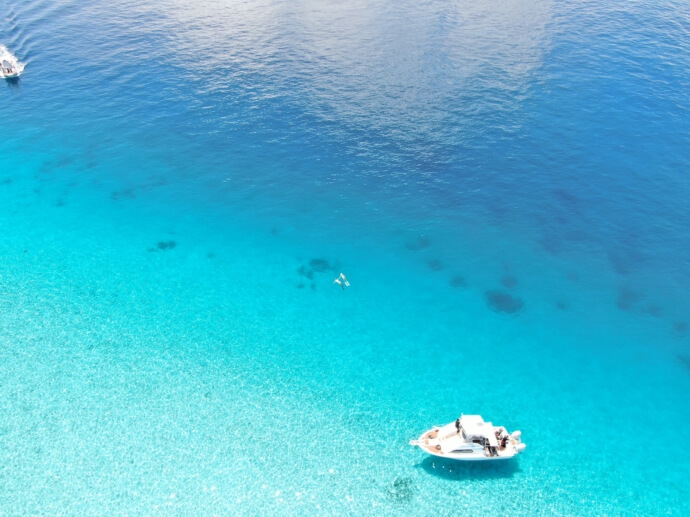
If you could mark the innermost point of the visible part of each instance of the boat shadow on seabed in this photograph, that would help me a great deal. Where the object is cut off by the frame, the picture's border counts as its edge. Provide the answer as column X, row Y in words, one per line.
column 457, row 470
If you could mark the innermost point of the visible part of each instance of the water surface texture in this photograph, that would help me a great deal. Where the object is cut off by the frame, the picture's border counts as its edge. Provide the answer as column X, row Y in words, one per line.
column 505, row 184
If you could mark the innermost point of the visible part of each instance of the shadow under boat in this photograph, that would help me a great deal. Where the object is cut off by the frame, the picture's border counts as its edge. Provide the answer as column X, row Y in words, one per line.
column 12, row 82
column 464, row 470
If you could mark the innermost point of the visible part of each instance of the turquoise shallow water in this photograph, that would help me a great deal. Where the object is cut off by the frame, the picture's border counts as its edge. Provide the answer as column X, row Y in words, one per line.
column 432, row 153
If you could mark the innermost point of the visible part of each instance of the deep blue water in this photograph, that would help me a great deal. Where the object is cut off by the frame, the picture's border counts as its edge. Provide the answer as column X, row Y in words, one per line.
column 181, row 181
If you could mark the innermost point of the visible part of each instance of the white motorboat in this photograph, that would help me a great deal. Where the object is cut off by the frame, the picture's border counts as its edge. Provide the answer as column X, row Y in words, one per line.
column 469, row 438
column 10, row 67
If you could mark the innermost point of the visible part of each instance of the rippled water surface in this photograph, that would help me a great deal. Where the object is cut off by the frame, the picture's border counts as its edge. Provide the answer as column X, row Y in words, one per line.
column 505, row 184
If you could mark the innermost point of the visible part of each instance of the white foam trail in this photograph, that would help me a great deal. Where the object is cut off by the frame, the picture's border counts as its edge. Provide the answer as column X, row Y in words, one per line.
column 6, row 55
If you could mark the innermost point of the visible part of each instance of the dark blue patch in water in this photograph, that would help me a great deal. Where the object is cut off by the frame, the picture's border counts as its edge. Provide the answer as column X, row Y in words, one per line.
column 435, row 265
column 509, row 281
column 458, row 282
column 419, row 243
column 627, row 298
column 500, row 301
column 166, row 245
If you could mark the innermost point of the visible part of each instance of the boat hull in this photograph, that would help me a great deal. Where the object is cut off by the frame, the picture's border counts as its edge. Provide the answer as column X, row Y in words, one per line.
column 465, row 456
column 449, row 443
column 10, row 67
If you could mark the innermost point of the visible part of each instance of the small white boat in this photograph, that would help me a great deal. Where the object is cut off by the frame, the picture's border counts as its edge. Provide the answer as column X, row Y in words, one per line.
column 10, row 67
column 469, row 438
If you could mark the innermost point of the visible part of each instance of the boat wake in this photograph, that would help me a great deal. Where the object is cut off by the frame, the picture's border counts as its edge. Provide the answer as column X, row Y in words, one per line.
column 10, row 67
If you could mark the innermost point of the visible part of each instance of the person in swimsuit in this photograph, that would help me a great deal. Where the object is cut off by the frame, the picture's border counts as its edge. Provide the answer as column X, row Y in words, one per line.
column 342, row 281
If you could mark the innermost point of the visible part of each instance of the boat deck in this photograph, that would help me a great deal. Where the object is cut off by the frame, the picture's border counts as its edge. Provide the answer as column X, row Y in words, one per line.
column 426, row 443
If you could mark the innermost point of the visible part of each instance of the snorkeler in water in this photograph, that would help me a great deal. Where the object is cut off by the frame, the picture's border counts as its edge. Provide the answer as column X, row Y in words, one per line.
column 342, row 281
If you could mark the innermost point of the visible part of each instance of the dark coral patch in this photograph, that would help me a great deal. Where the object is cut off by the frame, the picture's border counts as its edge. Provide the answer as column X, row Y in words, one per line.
column 6, row 181
column 306, row 272
column 402, row 491
column 64, row 161
column 627, row 298
column 128, row 193
column 553, row 244
column 49, row 166
column 567, row 199
column 210, row 255
column 417, row 244
column 627, row 259
column 653, row 310
column 166, row 245
column 458, row 282
column 315, row 266
column 560, row 305
column 300, row 285
column 435, row 265
column 685, row 360
column 509, row 281
column 320, row 265
column 503, row 302
column 681, row 328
